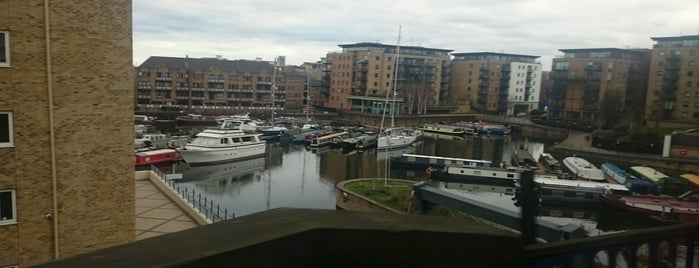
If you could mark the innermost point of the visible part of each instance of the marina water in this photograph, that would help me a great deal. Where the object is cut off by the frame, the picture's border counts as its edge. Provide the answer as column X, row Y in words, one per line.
column 291, row 175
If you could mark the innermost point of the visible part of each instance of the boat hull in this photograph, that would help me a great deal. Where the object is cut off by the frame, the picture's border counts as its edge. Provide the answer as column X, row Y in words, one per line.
column 666, row 209
column 206, row 155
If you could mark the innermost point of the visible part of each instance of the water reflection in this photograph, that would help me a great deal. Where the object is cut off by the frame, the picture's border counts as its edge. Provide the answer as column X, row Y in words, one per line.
column 291, row 175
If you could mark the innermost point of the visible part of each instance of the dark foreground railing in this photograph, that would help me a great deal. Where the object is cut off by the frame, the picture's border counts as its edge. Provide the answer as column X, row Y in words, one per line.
column 653, row 247
column 205, row 206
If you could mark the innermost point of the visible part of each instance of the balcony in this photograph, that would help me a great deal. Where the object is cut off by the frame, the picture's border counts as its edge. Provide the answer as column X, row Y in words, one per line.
column 163, row 78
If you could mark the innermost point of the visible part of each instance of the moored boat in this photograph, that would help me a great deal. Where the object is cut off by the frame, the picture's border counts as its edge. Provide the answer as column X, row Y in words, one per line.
column 582, row 169
column 327, row 139
column 221, row 144
column 634, row 184
column 393, row 138
column 488, row 175
column 559, row 191
column 522, row 158
column 549, row 163
column 443, row 129
column 664, row 208
column 156, row 157
column 422, row 161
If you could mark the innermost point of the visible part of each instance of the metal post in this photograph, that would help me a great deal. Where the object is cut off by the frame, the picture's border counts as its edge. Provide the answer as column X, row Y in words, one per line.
column 529, row 207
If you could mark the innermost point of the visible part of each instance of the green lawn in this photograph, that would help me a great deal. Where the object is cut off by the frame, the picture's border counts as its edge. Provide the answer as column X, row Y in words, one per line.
column 395, row 194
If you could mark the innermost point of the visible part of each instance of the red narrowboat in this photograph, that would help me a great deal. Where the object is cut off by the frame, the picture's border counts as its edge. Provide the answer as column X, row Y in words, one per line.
column 155, row 157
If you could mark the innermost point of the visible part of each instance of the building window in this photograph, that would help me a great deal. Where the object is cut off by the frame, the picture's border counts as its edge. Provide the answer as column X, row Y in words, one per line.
column 4, row 49
column 6, row 136
column 690, row 63
column 690, row 73
column 8, row 208
column 692, row 52
column 688, row 83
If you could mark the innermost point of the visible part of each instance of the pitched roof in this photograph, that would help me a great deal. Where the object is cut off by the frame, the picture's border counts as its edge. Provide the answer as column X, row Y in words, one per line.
column 208, row 63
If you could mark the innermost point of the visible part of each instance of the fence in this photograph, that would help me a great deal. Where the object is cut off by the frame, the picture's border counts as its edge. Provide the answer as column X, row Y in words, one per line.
column 205, row 206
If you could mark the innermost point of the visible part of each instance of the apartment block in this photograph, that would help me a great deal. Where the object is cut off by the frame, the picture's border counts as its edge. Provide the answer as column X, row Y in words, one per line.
column 66, row 129
column 673, row 84
column 217, row 84
column 363, row 76
column 495, row 83
column 584, row 78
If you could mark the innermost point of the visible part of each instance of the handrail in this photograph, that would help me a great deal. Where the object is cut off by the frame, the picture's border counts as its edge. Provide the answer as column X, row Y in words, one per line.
column 205, row 205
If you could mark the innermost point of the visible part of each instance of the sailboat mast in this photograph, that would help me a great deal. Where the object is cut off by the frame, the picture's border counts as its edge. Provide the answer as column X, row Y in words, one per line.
column 308, row 90
column 395, row 78
column 274, row 85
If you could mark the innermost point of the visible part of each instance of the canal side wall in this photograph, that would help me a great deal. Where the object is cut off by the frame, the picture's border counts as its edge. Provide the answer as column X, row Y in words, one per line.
column 188, row 208
column 348, row 200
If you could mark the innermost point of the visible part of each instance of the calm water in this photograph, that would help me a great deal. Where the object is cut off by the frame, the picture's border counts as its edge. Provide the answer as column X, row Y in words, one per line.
column 292, row 175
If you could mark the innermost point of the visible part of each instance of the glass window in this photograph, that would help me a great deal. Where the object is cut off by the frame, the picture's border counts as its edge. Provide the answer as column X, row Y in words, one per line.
column 6, row 136
column 8, row 209
column 4, row 49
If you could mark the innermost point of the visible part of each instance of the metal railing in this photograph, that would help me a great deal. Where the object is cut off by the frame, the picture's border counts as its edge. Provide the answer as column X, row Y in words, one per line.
column 206, row 206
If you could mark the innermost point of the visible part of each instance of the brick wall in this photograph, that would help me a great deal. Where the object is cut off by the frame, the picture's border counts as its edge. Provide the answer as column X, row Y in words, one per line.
column 91, row 57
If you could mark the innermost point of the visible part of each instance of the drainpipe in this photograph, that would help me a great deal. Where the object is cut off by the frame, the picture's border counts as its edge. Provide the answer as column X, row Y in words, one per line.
column 52, row 132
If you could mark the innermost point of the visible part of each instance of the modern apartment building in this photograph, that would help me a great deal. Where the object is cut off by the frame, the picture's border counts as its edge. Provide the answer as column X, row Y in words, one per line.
column 599, row 86
column 66, row 129
column 216, row 84
column 673, row 84
column 362, row 78
column 495, row 83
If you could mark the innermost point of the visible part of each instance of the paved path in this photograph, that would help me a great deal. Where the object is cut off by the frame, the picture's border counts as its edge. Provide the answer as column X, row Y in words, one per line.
column 156, row 214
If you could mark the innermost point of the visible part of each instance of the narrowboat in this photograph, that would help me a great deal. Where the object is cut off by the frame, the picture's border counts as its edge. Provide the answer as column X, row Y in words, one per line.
column 443, row 129
column 487, row 175
column 417, row 161
column 557, row 191
column 633, row 183
column 155, row 157
column 664, row 208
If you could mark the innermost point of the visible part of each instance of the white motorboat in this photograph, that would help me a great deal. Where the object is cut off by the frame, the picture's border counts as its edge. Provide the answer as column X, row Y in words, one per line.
column 222, row 144
column 582, row 169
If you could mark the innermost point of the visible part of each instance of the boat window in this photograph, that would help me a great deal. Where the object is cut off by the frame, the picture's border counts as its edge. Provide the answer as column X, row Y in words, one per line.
column 246, row 138
column 224, row 141
column 510, row 175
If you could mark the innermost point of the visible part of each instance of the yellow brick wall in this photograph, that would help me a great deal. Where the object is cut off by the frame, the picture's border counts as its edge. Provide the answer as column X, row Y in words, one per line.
column 91, row 57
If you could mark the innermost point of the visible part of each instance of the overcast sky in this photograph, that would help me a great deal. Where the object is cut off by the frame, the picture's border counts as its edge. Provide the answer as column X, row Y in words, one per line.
column 305, row 30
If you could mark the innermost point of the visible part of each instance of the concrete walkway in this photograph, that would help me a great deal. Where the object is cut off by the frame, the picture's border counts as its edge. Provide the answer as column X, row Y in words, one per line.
column 156, row 214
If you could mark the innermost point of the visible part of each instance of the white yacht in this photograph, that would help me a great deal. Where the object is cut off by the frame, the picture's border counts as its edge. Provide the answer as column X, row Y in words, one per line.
column 397, row 137
column 222, row 144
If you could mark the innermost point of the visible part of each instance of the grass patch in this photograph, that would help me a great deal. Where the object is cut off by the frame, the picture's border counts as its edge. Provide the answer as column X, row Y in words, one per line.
column 395, row 194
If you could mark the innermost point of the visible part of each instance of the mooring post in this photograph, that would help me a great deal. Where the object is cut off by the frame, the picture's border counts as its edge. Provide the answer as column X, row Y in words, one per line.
column 530, row 206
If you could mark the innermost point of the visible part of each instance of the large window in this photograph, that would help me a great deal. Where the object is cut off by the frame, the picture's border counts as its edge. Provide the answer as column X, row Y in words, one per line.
column 8, row 209
column 6, row 137
column 4, row 48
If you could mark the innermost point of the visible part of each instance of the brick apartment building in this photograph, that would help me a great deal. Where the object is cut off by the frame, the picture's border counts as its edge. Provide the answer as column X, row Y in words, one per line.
column 583, row 78
column 673, row 84
column 361, row 75
column 495, row 83
column 217, row 85
column 66, row 128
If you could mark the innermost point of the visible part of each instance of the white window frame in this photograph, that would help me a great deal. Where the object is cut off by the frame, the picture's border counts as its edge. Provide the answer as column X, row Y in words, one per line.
column 13, row 197
column 11, row 142
column 6, row 63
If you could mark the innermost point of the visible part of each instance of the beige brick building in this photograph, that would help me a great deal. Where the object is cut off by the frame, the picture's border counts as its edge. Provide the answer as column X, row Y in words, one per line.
column 673, row 84
column 363, row 73
column 495, row 83
column 583, row 78
column 66, row 123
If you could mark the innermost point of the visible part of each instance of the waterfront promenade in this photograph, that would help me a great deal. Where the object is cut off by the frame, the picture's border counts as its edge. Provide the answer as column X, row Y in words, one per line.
column 157, row 214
